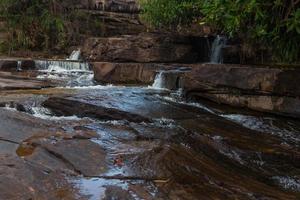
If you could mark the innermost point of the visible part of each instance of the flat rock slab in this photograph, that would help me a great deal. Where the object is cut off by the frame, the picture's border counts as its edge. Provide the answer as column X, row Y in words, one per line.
column 274, row 90
column 20, row 179
column 8, row 81
column 67, row 107
column 82, row 156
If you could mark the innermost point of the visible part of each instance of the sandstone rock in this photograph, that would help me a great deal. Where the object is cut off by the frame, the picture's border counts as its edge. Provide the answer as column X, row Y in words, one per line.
column 12, row 65
column 84, row 156
column 67, row 107
column 108, row 24
column 8, row 81
column 247, row 78
column 8, row 65
column 28, row 65
column 259, row 88
column 128, row 73
column 140, row 48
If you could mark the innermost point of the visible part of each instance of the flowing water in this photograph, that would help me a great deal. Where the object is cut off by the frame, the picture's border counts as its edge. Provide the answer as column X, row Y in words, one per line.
column 72, row 71
column 216, row 50
column 75, row 55
column 86, row 141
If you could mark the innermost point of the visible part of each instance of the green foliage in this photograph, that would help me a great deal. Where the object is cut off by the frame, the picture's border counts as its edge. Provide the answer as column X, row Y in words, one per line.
column 170, row 12
column 267, row 24
column 34, row 24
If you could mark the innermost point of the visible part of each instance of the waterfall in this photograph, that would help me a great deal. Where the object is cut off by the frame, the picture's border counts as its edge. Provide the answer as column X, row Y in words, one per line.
column 61, row 65
column 216, row 50
column 73, row 73
column 19, row 66
column 170, row 79
column 75, row 55
column 158, row 81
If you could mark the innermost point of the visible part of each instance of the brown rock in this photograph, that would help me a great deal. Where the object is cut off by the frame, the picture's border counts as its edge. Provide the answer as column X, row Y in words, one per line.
column 8, row 65
column 112, row 24
column 130, row 73
column 247, row 78
column 140, row 48
column 8, row 81
column 79, row 155
column 28, row 65
column 67, row 107
column 264, row 89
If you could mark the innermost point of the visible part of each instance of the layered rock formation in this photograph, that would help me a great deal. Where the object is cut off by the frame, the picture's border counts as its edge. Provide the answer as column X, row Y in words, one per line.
column 14, row 64
column 144, row 48
column 260, row 88
column 125, row 73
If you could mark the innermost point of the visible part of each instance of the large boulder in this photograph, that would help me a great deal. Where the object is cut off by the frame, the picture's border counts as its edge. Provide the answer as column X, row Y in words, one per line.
column 260, row 88
column 140, row 48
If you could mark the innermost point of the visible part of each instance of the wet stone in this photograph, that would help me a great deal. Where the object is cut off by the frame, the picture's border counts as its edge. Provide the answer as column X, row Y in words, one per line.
column 178, row 150
column 83, row 156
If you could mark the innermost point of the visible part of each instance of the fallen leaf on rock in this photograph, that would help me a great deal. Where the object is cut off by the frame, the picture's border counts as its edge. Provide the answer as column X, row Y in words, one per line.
column 119, row 161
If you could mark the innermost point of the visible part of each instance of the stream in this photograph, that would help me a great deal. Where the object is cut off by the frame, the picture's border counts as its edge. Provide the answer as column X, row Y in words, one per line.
column 81, row 140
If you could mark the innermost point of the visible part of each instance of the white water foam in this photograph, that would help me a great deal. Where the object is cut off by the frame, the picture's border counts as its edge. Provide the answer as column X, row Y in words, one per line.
column 44, row 113
column 290, row 183
column 198, row 105
column 262, row 125
column 75, row 55
column 158, row 82
column 68, row 72
column 60, row 65
column 9, row 107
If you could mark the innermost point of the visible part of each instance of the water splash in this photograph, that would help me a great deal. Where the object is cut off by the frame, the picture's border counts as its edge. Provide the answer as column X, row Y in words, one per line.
column 75, row 55
column 158, row 82
column 72, row 73
column 169, row 79
column 61, row 65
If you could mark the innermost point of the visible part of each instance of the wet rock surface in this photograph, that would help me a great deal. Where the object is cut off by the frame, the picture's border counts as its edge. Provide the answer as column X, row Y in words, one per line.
column 14, row 81
column 67, row 107
column 183, row 152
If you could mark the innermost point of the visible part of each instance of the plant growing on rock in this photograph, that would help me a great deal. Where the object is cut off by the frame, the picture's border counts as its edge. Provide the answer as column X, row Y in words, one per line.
column 261, row 24
column 35, row 24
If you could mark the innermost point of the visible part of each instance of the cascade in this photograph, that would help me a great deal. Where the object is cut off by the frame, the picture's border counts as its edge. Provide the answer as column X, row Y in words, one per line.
column 72, row 71
column 61, row 65
column 19, row 66
column 170, row 79
column 158, row 81
column 216, row 50
column 75, row 55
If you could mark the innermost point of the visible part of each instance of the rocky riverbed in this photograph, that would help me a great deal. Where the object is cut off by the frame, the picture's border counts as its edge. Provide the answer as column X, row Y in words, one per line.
column 65, row 136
